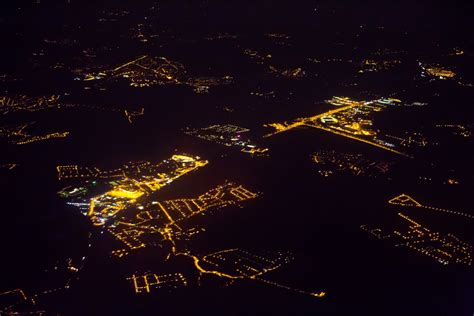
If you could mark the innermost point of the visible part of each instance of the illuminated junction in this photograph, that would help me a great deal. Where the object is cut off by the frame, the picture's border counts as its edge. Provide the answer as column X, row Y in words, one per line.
column 351, row 119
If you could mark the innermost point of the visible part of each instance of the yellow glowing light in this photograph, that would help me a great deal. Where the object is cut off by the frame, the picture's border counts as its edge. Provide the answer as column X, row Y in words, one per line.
column 404, row 200
column 439, row 72
column 316, row 122
column 125, row 194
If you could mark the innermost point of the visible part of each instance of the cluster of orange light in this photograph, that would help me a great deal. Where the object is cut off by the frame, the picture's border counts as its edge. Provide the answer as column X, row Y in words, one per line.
column 164, row 217
column 127, row 190
column 444, row 249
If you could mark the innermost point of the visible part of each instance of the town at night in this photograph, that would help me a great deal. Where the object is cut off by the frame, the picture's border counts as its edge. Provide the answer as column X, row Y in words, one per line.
column 232, row 157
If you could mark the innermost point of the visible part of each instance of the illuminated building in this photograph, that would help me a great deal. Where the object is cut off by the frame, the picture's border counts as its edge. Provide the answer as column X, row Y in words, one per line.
column 389, row 101
column 71, row 191
column 328, row 119
column 441, row 73
column 437, row 71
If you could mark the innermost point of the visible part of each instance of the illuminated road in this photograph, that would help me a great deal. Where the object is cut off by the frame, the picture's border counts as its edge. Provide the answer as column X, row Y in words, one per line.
column 255, row 276
column 304, row 121
column 131, row 62
column 312, row 122
column 360, row 140
column 407, row 201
